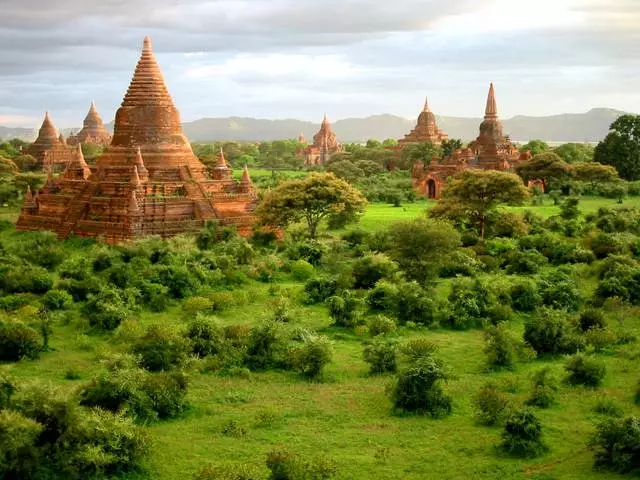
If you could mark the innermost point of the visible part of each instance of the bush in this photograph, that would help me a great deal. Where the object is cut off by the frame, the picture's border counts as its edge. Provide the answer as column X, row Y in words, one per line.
column 26, row 279
column 312, row 356
column 592, row 318
column 266, row 346
column 500, row 347
column 41, row 248
column 18, row 445
column 302, row 270
column 470, row 303
column 371, row 268
column 161, row 349
column 549, row 332
column 319, row 289
column 522, row 435
column 106, row 310
column 525, row 263
column 381, row 325
column 343, row 309
column 153, row 295
column 584, row 370
column 286, row 465
column 525, row 296
column 237, row 472
column 167, row 393
column 381, row 355
column 608, row 406
column 605, row 244
column 545, row 387
column 418, row 389
column 418, row 348
column 310, row 251
column 7, row 389
column 17, row 341
column 11, row 303
column 416, row 305
column 194, row 305
column 491, row 405
column 617, row 445
column 559, row 290
column 383, row 297
column 206, row 337
column 57, row 300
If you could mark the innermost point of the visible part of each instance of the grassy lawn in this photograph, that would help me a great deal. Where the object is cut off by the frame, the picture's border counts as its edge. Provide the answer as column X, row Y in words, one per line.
column 348, row 418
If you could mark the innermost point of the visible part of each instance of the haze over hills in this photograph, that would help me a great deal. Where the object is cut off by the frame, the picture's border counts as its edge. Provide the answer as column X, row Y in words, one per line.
column 591, row 126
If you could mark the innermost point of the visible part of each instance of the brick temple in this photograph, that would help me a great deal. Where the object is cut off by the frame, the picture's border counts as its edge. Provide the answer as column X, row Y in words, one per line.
column 492, row 150
column 50, row 149
column 93, row 130
column 325, row 143
column 147, row 181
column 426, row 129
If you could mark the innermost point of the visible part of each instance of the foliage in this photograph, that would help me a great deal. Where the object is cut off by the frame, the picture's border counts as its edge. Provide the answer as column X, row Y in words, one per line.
column 312, row 199
column 592, row 318
column 161, row 349
column 381, row 325
column 18, row 341
column 205, row 336
column 535, row 147
column 107, row 309
column 368, row 270
column 418, row 388
column 522, row 435
column 621, row 147
column 547, row 167
column 286, row 465
column 381, row 354
column 575, row 152
column 491, row 404
column 57, row 300
column 616, row 443
column 344, row 309
column 545, row 387
column 312, row 356
column 549, row 332
column 585, row 370
column 472, row 195
column 525, row 296
column 594, row 173
column 500, row 347
column 318, row 289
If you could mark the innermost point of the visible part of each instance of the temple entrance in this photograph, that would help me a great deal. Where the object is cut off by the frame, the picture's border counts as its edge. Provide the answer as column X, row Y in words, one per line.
column 431, row 188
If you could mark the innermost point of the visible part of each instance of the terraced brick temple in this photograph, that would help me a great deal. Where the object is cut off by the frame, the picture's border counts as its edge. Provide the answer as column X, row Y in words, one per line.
column 93, row 130
column 147, row 182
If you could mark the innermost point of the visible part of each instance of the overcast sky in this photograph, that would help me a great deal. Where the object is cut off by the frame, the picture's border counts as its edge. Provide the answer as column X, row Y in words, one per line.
column 300, row 58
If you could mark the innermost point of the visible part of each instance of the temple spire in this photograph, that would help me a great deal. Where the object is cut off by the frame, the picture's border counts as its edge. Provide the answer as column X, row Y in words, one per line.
column 135, row 178
column 246, row 178
column 133, row 202
column 492, row 107
column 426, row 105
column 28, row 196
column 221, row 161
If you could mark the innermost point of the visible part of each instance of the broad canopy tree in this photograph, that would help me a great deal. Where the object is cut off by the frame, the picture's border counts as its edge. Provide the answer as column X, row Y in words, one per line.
column 594, row 173
column 547, row 167
column 473, row 194
column 621, row 147
column 312, row 199
column 535, row 147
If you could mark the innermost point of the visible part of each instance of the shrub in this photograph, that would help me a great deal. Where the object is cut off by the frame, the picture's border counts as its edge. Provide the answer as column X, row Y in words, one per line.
column 371, row 268
column 222, row 300
column 524, row 263
column 302, row 270
column 11, row 303
column 381, row 355
column 18, row 341
column 26, row 279
column 310, row 251
column 266, row 346
column 605, row 244
column 416, row 305
column 500, row 347
column 206, row 337
column 491, row 404
column 167, row 393
column 559, row 290
column 106, row 310
column 418, row 348
column 383, row 297
column 381, row 325
column 608, row 406
column 57, row 300
column 7, row 389
column 318, row 289
column 177, row 278
column 312, row 356
column 153, row 295
column 286, row 465
column 544, row 390
column 584, row 370
column 343, row 309
column 470, row 302
column 549, row 332
column 617, row 445
column 41, row 248
column 161, row 349
column 522, row 435
column 236, row 472
column 18, row 445
column 525, row 296
column 592, row 318
column 418, row 389
column 600, row 338
column 194, row 305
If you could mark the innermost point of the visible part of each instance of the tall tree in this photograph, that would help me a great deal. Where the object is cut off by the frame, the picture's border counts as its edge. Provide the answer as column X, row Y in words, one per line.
column 450, row 145
column 621, row 147
column 575, row 152
column 546, row 167
column 312, row 199
column 535, row 147
column 473, row 194
column 423, row 152
column 594, row 173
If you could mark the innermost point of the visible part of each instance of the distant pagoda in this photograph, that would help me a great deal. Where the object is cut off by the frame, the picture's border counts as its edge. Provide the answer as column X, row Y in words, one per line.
column 93, row 130
column 49, row 149
column 147, row 182
column 325, row 143
column 426, row 129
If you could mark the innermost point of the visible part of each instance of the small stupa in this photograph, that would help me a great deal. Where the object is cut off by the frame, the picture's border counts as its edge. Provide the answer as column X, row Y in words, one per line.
column 49, row 148
column 93, row 130
column 426, row 129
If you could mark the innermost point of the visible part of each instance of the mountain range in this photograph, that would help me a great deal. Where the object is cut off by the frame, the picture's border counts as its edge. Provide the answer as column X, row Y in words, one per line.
column 591, row 126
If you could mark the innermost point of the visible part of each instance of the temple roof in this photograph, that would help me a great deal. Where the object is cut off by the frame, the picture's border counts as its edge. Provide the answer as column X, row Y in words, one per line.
column 93, row 117
column 492, row 108
column 246, row 178
column 147, row 86
column 221, row 162
column 47, row 133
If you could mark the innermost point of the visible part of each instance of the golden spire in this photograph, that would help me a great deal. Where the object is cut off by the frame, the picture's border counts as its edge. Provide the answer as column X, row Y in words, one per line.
column 246, row 178
column 492, row 108
column 426, row 105
column 221, row 161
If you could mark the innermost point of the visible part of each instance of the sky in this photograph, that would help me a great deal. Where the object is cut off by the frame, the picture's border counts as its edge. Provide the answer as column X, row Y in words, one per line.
column 302, row 58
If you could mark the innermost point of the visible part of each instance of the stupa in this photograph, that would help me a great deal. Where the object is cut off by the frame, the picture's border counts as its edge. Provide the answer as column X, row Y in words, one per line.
column 426, row 129
column 93, row 130
column 49, row 148
column 147, row 182
column 325, row 143
column 492, row 150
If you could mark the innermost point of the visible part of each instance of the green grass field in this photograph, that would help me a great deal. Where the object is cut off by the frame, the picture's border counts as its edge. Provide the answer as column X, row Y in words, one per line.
column 348, row 418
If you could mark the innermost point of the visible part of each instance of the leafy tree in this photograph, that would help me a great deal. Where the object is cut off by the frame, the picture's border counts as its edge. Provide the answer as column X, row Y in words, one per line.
column 547, row 167
column 390, row 142
column 575, row 152
column 372, row 143
column 595, row 173
column 472, row 195
column 312, row 199
column 535, row 147
column 450, row 145
column 522, row 436
column 420, row 246
column 91, row 151
column 621, row 147
column 423, row 152
column 346, row 170
column 26, row 163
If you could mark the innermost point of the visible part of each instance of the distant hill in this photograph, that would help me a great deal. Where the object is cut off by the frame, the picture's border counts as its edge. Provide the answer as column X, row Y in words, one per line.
column 591, row 126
